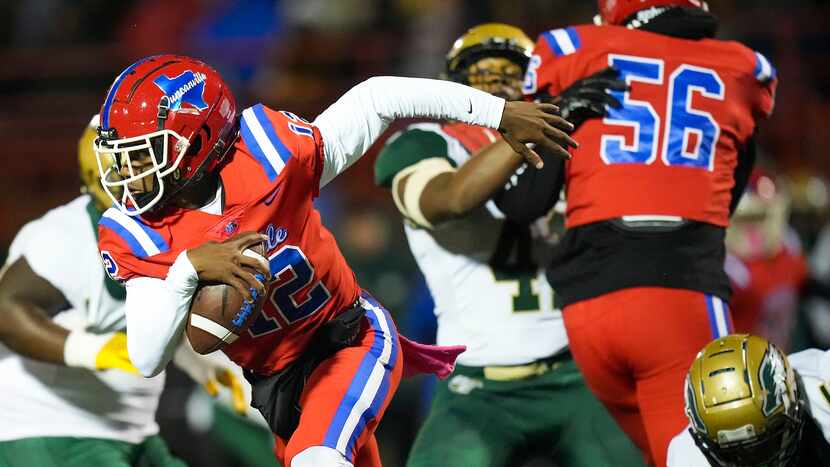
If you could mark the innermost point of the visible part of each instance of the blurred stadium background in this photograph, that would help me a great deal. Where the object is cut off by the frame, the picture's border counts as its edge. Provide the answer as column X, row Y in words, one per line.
column 59, row 56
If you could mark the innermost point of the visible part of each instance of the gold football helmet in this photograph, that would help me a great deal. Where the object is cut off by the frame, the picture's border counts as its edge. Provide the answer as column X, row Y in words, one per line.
column 492, row 57
column 90, row 180
column 744, row 403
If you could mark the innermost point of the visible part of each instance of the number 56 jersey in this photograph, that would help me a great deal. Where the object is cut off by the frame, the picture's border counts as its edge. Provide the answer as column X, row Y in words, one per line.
column 268, row 182
column 671, row 149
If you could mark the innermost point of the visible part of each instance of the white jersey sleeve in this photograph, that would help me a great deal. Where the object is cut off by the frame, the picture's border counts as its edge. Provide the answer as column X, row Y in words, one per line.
column 44, row 243
column 61, row 248
column 683, row 452
column 350, row 125
column 814, row 367
column 156, row 314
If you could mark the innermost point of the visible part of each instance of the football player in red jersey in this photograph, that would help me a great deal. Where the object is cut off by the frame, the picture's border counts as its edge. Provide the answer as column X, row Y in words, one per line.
column 764, row 262
column 649, row 193
column 323, row 355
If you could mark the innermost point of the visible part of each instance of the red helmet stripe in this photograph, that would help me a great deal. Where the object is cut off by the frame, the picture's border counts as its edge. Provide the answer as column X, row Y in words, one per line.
column 105, row 111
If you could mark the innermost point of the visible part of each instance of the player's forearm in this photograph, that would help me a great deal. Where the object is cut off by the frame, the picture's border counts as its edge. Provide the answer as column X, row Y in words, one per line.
column 359, row 117
column 27, row 331
column 475, row 182
column 156, row 312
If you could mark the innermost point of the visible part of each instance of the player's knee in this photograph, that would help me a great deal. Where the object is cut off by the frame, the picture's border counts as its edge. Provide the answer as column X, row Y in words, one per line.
column 320, row 456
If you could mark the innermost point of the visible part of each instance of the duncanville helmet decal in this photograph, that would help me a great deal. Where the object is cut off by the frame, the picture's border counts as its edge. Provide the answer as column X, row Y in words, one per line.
column 187, row 88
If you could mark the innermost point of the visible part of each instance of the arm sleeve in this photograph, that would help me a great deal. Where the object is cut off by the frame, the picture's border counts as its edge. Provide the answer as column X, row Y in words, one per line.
column 156, row 313
column 60, row 270
column 350, row 125
column 531, row 193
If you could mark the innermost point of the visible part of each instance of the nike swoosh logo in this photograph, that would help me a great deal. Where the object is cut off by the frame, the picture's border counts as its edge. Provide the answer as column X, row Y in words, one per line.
column 270, row 199
column 470, row 110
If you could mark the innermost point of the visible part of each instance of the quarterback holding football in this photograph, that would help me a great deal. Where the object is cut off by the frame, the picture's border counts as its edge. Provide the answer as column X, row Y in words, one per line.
column 324, row 356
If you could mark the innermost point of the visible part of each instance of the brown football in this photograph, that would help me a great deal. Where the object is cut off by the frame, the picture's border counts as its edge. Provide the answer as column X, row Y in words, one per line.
column 219, row 314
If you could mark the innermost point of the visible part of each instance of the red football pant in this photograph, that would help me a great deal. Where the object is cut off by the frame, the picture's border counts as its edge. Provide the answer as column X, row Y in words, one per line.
column 346, row 395
column 635, row 346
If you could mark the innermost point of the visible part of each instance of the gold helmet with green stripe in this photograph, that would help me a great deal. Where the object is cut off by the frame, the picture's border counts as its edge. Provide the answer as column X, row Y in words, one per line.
column 492, row 57
column 743, row 403
column 88, row 165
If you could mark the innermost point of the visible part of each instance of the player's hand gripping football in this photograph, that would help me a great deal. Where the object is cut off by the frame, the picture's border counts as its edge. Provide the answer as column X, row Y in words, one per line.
column 537, row 123
column 224, row 263
column 98, row 351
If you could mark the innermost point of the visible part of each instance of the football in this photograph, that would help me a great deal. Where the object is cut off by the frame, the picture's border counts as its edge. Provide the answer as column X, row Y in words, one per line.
column 219, row 314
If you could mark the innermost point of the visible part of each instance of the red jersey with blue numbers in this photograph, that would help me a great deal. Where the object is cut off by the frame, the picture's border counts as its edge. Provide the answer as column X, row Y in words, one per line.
column 269, row 181
column 671, row 149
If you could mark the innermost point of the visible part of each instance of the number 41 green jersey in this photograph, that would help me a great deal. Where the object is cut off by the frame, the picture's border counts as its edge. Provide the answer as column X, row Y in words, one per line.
column 497, row 303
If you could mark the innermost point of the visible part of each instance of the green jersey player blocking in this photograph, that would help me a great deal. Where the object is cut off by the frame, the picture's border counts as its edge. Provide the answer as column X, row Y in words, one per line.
column 70, row 395
column 516, row 392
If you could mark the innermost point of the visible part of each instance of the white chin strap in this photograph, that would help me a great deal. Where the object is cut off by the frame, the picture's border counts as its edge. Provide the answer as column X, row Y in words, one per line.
column 117, row 186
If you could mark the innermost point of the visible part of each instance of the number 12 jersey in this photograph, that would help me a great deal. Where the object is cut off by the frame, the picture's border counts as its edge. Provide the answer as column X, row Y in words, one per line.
column 268, row 183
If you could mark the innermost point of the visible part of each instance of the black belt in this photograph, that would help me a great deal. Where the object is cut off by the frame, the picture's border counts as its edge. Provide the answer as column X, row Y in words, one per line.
column 277, row 396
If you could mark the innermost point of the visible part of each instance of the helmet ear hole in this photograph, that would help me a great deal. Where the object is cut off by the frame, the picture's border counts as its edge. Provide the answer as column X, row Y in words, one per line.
column 157, row 143
column 195, row 145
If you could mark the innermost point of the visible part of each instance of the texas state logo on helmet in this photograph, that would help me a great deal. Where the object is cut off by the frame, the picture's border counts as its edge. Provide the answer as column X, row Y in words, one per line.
column 174, row 109
column 617, row 11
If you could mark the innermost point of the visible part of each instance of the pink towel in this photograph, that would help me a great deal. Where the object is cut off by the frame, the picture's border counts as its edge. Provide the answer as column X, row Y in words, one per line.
column 422, row 358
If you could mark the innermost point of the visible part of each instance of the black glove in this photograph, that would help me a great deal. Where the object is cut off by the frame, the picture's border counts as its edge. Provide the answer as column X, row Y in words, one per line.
column 587, row 98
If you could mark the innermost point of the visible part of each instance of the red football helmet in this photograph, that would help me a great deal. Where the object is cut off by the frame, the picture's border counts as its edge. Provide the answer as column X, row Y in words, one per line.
column 157, row 105
column 617, row 11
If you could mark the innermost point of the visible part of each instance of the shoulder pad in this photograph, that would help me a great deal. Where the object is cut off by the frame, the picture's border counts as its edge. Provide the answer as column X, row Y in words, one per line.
column 140, row 238
column 258, row 133
column 764, row 71
column 563, row 41
column 405, row 149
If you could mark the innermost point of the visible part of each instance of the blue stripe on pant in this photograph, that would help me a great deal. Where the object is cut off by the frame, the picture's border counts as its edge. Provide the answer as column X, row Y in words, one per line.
column 719, row 320
column 370, row 386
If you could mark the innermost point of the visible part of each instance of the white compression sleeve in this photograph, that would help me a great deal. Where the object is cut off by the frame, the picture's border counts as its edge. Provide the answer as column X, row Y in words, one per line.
column 357, row 119
column 156, row 313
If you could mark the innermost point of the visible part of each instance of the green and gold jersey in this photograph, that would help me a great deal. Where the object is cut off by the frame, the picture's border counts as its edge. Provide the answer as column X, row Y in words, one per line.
column 45, row 400
column 505, row 316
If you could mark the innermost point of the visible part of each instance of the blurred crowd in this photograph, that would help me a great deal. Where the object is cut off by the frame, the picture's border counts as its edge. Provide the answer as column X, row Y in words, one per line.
column 300, row 55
